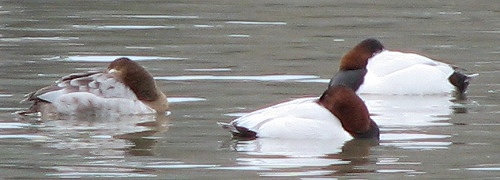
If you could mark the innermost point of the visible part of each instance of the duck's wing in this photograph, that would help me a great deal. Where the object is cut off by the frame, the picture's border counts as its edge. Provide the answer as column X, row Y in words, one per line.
column 49, row 93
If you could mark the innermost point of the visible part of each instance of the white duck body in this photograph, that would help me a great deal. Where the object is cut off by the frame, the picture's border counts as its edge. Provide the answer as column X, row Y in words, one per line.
column 301, row 118
column 391, row 72
column 94, row 93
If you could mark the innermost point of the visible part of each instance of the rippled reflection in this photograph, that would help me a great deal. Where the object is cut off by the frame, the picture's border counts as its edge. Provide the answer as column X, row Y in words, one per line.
column 292, row 157
column 403, row 118
column 409, row 111
column 103, row 136
column 96, row 145
column 251, row 78
column 109, row 58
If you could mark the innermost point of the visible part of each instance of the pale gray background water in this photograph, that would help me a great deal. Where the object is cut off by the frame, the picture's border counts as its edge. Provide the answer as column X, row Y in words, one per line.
column 218, row 59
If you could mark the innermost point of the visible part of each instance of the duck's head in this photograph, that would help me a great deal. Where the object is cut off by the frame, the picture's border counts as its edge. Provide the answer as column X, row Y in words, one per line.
column 357, row 57
column 138, row 79
column 352, row 112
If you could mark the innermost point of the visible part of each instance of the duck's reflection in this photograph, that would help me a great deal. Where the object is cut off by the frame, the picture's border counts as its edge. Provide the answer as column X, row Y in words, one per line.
column 408, row 121
column 93, row 147
column 103, row 136
column 141, row 141
column 292, row 157
column 357, row 153
column 409, row 111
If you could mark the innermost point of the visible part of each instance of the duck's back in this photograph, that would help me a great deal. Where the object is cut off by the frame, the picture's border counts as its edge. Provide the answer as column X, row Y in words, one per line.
column 393, row 72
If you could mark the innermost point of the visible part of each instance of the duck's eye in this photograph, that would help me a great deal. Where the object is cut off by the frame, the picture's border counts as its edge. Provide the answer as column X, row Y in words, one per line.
column 112, row 71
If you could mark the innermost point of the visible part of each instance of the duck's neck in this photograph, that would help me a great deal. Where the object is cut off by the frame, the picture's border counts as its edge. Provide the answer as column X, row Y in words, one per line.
column 350, row 110
column 350, row 78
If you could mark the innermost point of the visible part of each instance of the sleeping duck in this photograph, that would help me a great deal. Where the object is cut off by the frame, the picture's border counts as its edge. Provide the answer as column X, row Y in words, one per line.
column 398, row 73
column 123, row 88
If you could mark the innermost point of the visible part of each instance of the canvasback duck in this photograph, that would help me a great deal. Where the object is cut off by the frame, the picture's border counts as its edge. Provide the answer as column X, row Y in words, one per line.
column 124, row 88
column 338, row 114
column 392, row 72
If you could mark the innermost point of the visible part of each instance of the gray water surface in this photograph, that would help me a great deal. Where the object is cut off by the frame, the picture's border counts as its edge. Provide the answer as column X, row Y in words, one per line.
column 217, row 60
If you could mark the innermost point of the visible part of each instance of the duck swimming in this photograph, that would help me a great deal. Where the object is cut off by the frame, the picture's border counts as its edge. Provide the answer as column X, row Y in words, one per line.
column 124, row 88
column 338, row 114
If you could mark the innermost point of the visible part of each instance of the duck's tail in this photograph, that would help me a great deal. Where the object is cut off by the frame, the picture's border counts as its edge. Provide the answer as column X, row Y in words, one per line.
column 238, row 132
column 461, row 81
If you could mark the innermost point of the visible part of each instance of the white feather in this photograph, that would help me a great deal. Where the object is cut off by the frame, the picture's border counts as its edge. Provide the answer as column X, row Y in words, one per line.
column 82, row 102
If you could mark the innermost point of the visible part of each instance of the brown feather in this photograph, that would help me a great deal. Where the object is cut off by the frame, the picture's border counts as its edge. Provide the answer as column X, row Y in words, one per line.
column 357, row 57
column 352, row 112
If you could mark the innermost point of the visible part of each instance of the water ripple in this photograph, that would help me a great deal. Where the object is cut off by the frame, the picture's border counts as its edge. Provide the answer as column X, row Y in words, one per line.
column 100, row 175
column 35, row 39
column 157, row 16
column 120, row 27
column 251, row 78
column 109, row 58
column 256, row 23
column 184, row 99
column 13, row 125
column 210, row 70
